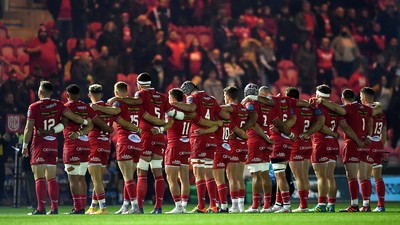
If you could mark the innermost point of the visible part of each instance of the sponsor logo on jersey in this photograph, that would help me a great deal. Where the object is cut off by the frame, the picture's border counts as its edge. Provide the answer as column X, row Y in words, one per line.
column 82, row 107
column 49, row 138
column 49, row 150
column 134, row 148
column 332, row 149
column 369, row 159
column 226, row 156
column 184, row 153
column 83, row 138
column 82, row 149
column 305, row 147
column 51, row 106
column 157, row 143
column 226, row 146
column 103, row 138
column 102, row 150
column 241, row 150
column 134, row 138
column 184, row 139
column 234, row 158
column 377, row 150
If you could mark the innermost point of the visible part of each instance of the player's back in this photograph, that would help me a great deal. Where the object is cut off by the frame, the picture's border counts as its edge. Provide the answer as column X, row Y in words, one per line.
column 285, row 107
column 238, row 116
column 223, row 132
column 179, row 131
column 378, row 123
column 206, row 107
column 130, row 113
column 332, row 120
column 266, row 114
column 357, row 116
column 108, row 119
column 154, row 103
column 304, row 119
column 46, row 113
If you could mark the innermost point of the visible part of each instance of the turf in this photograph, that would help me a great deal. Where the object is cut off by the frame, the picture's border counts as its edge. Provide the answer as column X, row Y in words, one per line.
column 17, row 216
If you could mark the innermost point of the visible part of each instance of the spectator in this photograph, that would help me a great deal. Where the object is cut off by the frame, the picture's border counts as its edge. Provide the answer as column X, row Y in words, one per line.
column 213, row 87
column 142, row 44
column 358, row 80
column 250, row 18
column 250, row 69
column 393, row 50
column 161, row 47
column 383, row 93
column 306, row 61
column 64, row 17
column 259, row 32
column 136, row 8
column 79, row 16
column 362, row 40
column 306, row 23
column 352, row 19
column 389, row 20
column 378, row 69
column 79, row 50
column 269, row 20
column 105, row 72
column 393, row 115
column 267, row 59
column 338, row 21
column 178, row 48
column 60, row 45
column 365, row 21
column 216, row 64
column 377, row 41
column 20, row 97
column 324, row 26
column 43, row 54
column 111, row 39
column 241, row 31
column 325, row 63
column 159, row 71
column 346, row 52
column 126, row 31
column 160, row 16
column 285, row 35
column 81, row 73
column 224, row 38
column 195, row 59
column 176, row 83
column 234, row 71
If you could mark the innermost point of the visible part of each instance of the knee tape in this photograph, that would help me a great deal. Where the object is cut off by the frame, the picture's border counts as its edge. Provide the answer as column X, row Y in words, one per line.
column 143, row 165
column 279, row 167
column 72, row 169
column 156, row 163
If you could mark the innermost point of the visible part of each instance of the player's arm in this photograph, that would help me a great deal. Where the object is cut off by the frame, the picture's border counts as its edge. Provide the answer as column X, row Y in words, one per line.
column 261, row 99
column 179, row 115
column 110, row 110
column 84, row 131
column 153, row 120
column 326, row 130
column 224, row 114
column 27, row 136
column 250, row 121
column 128, row 126
column 187, row 107
column 166, row 126
column 257, row 128
column 334, row 107
column 210, row 123
column 240, row 133
column 302, row 103
column 350, row 133
column 291, row 121
column 315, row 127
column 131, row 100
column 283, row 128
column 75, row 118
column 102, row 125
column 209, row 130
column 376, row 108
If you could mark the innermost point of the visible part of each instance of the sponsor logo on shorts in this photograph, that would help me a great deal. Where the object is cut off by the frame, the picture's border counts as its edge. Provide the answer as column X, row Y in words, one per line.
column 354, row 159
column 83, row 138
column 177, row 162
column 95, row 159
column 298, row 157
column 256, row 159
column 147, row 152
column 39, row 159
column 234, row 158
column 134, row 138
column 126, row 157
column 221, row 164
column 49, row 138
column 74, row 159
column 280, row 154
column 203, row 154
column 323, row 159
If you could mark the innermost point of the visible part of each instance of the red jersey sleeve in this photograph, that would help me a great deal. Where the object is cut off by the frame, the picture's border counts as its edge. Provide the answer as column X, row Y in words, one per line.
column 118, row 104
column 91, row 113
column 31, row 112
column 217, row 108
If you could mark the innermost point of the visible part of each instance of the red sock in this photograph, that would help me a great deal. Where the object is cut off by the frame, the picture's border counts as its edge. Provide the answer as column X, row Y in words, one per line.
column 321, row 199
column 185, row 198
column 353, row 188
column 242, row 193
column 41, row 193
column 54, row 193
column 223, row 193
column 130, row 187
column 285, row 197
column 267, row 200
column 234, row 194
column 160, row 189
column 94, row 196
column 212, row 191
column 201, row 194
column 101, row 196
column 126, row 194
column 76, row 198
column 380, row 191
column 332, row 201
column 256, row 200
column 217, row 200
column 141, row 190
column 365, row 189
column 303, row 195
column 278, row 198
column 83, row 201
column 177, row 198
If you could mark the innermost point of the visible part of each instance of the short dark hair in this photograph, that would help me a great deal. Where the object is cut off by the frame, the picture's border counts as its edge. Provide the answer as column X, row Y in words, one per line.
column 47, row 87
column 293, row 92
column 323, row 88
column 143, row 78
column 177, row 94
column 348, row 94
column 121, row 87
column 367, row 91
column 73, row 89
column 232, row 92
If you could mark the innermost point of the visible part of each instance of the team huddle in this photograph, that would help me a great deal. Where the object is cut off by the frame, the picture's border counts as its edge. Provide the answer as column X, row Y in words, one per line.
column 218, row 141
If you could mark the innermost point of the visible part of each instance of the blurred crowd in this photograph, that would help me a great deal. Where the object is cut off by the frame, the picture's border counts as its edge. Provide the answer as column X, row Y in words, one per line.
column 214, row 43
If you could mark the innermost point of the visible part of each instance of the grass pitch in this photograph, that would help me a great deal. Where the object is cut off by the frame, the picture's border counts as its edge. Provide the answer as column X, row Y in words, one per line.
column 17, row 216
